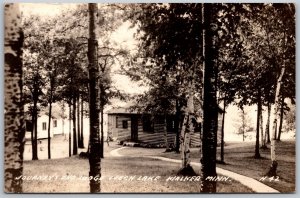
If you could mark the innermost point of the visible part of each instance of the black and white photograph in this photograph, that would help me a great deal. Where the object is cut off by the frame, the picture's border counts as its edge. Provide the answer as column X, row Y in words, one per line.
column 149, row 97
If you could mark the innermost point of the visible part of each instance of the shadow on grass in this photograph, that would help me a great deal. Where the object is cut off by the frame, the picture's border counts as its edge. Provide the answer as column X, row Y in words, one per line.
column 256, row 157
column 222, row 162
column 187, row 171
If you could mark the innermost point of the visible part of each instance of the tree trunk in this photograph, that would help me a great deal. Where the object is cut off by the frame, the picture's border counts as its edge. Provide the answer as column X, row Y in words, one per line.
column 166, row 132
column 281, row 118
column 89, row 146
column 34, row 132
column 81, row 130
column 257, row 154
column 36, row 137
column 210, row 110
column 101, row 131
column 184, row 150
column 13, row 102
column 102, row 99
column 177, row 118
column 80, row 143
column 94, row 99
column 262, row 137
column 78, row 121
column 70, row 123
column 275, row 132
column 75, row 149
column 244, row 123
column 187, row 127
column 49, row 128
column 274, row 164
column 222, row 134
column 267, row 133
column 243, row 128
column 63, row 119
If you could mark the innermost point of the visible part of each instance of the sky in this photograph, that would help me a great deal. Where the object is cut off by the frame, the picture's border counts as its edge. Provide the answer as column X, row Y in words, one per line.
column 124, row 37
column 43, row 9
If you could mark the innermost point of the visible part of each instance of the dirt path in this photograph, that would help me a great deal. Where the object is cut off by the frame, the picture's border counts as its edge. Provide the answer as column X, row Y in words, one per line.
column 251, row 183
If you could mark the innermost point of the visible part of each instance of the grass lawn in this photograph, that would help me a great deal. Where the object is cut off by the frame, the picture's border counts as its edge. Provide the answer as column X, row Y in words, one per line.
column 71, row 172
column 241, row 160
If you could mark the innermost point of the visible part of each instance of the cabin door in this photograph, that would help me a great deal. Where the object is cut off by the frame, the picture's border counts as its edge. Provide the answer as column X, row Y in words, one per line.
column 134, row 128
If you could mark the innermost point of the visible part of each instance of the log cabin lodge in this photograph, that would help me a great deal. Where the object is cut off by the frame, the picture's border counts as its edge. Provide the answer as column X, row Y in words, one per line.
column 125, row 124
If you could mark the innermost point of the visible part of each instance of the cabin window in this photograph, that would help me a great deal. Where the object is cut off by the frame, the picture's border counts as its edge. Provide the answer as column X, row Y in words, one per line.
column 148, row 125
column 54, row 123
column 116, row 122
column 125, row 124
column 171, row 124
column 197, row 127
column 28, row 125
column 44, row 125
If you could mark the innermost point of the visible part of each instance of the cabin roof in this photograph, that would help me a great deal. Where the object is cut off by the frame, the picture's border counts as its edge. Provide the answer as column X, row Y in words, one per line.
column 121, row 110
column 128, row 109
